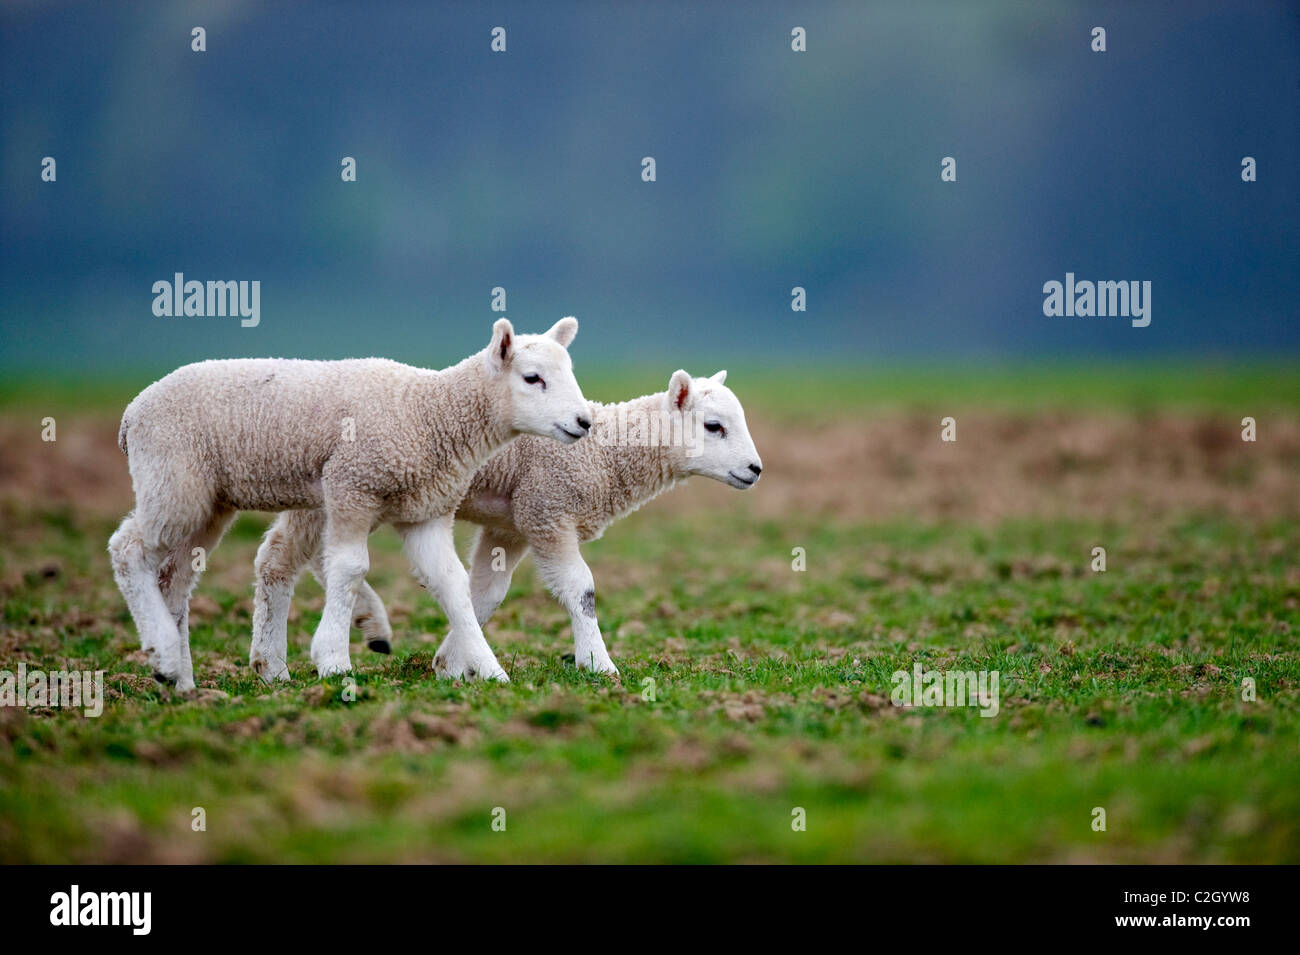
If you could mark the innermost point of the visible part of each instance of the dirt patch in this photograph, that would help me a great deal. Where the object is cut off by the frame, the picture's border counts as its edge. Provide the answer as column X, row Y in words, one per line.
column 1003, row 465
column 872, row 467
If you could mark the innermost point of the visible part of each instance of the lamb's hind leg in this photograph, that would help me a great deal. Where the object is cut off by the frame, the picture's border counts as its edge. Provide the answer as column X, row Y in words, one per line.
column 291, row 541
column 136, row 562
column 567, row 575
column 495, row 558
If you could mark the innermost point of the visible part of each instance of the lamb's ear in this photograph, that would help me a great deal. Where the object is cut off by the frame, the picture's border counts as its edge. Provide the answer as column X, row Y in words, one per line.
column 679, row 390
column 503, row 342
column 564, row 330
column 720, row 377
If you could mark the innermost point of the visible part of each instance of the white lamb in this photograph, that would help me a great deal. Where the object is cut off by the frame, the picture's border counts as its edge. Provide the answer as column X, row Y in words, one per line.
column 360, row 442
column 536, row 494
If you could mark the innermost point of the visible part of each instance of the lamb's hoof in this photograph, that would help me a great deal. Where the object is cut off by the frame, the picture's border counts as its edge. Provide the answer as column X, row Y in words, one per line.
column 595, row 661
column 333, row 667
column 380, row 645
column 452, row 669
column 472, row 673
column 267, row 671
column 181, row 684
column 168, row 675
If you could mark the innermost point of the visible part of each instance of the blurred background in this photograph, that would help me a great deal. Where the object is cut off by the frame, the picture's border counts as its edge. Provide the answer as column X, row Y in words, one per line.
column 775, row 169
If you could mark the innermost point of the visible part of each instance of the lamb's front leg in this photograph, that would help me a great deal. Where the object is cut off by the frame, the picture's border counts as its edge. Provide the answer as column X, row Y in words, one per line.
column 368, row 614
column 432, row 551
column 346, row 561
column 569, row 578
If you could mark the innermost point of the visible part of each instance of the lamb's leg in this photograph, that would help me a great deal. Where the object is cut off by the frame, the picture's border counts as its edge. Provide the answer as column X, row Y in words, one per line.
column 370, row 617
column 568, row 577
column 135, row 566
column 368, row 613
column 346, row 561
column 178, row 577
column 291, row 542
column 432, row 550
column 491, row 570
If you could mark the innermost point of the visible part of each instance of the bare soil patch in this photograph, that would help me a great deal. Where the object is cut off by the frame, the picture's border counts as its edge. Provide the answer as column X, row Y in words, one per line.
column 873, row 466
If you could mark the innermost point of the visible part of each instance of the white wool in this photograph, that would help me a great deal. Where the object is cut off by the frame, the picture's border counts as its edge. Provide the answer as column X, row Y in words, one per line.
column 360, row 442
column 539, row 495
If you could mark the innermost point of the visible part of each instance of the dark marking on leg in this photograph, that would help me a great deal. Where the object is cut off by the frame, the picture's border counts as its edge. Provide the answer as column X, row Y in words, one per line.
column 166, row 572
column 589, row 603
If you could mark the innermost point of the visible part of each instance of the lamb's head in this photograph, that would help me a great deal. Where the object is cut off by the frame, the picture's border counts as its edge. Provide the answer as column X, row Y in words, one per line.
column 715, row 421
column 535, row 375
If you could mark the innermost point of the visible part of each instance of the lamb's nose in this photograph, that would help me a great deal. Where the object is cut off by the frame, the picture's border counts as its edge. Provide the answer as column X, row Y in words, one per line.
column 757, row 469
column 583, row 423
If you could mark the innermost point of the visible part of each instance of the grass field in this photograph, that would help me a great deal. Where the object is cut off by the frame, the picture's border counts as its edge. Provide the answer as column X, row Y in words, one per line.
column 1120, row 690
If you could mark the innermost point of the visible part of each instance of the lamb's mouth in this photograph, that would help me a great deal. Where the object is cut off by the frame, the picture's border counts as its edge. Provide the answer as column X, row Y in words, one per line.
column 741, row 481
column 572, row 435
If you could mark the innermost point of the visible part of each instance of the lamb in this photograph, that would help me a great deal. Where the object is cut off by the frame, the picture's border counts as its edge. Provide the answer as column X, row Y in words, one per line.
column 537, row 495
column 359, row 442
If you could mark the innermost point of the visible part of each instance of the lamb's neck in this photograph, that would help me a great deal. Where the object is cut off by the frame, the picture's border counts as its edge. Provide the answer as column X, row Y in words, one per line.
column 637, row 473
column 462, row 409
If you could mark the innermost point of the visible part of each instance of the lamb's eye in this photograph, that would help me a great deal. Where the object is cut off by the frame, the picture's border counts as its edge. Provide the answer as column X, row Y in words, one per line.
column 715, row 427
column 534, row 379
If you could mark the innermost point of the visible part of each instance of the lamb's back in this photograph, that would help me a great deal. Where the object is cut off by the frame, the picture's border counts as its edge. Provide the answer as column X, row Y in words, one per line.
column 264, row 428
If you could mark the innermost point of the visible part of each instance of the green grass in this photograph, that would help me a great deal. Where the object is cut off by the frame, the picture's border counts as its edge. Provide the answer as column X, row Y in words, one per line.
column 1121, row 690
column 1269, row 383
